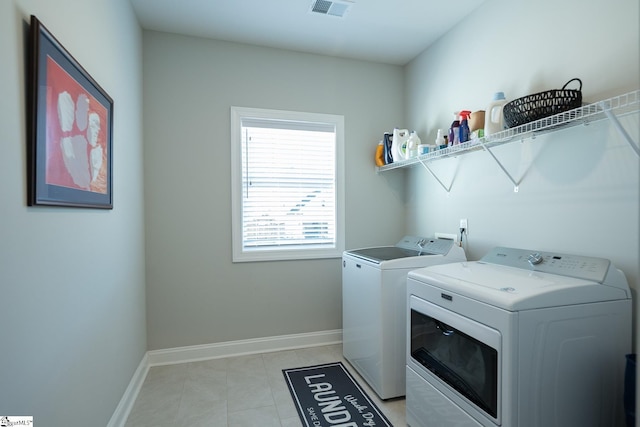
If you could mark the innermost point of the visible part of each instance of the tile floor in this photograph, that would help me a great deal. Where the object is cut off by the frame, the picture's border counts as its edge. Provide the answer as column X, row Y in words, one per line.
column 243, row 391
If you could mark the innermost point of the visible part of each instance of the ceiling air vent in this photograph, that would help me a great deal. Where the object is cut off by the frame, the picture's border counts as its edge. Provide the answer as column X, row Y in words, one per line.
column 332, row 8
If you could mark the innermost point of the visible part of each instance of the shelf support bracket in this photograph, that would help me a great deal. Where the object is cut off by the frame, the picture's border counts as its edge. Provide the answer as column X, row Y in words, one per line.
column 619, row 127
column 516, row 188
column 426, row 166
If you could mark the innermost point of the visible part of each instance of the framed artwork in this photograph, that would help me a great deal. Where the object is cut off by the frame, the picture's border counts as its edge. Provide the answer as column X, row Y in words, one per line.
column 70, row 149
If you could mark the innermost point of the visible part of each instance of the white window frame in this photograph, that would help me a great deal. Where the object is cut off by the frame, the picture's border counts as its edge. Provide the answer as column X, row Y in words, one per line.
column 241, row 254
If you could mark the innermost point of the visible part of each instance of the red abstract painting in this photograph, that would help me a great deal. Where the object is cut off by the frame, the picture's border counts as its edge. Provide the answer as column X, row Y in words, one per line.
column 76, row 140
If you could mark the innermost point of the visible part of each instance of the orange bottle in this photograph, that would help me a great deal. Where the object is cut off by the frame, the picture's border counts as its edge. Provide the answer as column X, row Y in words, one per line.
column 380, row 154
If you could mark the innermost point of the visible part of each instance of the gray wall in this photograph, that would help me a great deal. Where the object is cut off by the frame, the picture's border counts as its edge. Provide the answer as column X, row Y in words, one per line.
column 72, row 337
column 72, row 330
column 578, row 187
column 195, row 294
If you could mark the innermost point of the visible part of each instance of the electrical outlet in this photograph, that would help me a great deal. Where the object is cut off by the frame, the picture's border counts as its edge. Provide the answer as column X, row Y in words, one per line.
column 464, row 224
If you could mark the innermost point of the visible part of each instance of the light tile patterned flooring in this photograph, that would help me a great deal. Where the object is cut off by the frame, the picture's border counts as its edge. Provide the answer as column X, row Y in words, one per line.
column 243, row 391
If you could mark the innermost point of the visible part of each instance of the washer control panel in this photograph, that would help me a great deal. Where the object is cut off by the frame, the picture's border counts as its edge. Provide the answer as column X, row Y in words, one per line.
column 577, row 266
column 425, row 245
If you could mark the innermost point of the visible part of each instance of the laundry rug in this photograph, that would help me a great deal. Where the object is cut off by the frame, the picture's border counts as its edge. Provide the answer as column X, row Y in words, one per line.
column 327, row 395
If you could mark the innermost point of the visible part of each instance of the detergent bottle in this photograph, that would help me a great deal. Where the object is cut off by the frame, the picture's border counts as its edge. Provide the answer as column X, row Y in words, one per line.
column 399, row 144
column 379, row 156
column 387, row 148
column 412, row 144
column 494, row 118
column 464, row 126
column 454, row 135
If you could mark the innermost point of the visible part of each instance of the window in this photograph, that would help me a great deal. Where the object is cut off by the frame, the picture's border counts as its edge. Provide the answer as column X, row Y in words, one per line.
column 287, row 187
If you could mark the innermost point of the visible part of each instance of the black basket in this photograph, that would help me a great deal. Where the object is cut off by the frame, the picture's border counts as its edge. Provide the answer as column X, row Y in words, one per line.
column 543, row 104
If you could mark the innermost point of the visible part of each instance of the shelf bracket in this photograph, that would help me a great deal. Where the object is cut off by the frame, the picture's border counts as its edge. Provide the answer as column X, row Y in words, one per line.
column 426, row 166
column 619, row 127
column 516, row 187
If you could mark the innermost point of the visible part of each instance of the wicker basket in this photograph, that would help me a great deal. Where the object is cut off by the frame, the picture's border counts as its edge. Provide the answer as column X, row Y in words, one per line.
column 543, row 104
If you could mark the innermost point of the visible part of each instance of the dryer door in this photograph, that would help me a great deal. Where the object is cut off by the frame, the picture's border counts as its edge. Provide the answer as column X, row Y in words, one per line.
column 460, row 353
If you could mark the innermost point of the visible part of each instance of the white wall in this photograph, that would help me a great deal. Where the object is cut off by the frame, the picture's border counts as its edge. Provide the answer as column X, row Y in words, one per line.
column 578, row 187
column 72, row 328
column 195, row 294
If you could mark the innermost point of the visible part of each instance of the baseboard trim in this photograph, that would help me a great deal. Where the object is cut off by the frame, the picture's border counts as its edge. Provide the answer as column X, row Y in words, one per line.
column 237, row 348
column 120, row 415
column 194, row 353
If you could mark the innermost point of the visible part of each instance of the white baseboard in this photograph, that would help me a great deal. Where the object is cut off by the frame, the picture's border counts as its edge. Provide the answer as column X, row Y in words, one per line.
column 120, row 415
column 237, row 348
column 214, row 351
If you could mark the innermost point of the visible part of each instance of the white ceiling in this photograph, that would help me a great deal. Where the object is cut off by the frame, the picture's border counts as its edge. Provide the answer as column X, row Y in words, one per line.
column 388, row 31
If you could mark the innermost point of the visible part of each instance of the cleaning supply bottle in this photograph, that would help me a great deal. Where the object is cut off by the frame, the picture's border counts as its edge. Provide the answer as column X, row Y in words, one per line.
column 494, row 117
column 454, row 131
column 440, row 140
column 380, row 154
column 412, row 144
column 399, row 144
column 388, row 148
column 464, row 126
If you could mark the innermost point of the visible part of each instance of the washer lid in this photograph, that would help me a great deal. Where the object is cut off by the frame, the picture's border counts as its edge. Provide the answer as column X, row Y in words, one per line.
column 408, row 246
column 384, row 253
column 515, row 289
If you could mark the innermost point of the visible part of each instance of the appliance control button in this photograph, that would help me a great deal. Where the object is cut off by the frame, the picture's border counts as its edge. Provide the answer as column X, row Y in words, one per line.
column 534, row 258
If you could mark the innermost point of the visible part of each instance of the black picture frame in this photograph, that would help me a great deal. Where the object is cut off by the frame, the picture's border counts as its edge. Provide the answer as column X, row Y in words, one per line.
column 70, row 152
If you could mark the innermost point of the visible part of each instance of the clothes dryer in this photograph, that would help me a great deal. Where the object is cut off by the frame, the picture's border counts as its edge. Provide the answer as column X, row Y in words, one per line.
column 374, row 306
column 518, row 339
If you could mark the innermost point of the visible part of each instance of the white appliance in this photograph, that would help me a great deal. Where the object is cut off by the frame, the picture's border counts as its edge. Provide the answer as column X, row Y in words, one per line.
column 374, row 306
column 517, row 339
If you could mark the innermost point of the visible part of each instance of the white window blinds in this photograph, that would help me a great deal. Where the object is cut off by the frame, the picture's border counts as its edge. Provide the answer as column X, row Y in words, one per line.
column 288, row 185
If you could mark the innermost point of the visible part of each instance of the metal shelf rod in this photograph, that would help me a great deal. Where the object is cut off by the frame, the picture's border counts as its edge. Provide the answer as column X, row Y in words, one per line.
column 426, row 166
column 488, row 150
column 620, row 128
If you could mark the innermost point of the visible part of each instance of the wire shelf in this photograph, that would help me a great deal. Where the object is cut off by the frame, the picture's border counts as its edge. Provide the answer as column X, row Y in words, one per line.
column 619, row 106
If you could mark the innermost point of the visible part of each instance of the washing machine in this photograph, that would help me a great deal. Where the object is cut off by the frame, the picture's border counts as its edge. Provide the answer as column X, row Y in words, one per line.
column 519, row 338
column 374, row 306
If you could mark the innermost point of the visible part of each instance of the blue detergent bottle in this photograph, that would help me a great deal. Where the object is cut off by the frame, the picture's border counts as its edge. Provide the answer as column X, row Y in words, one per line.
column 387, row 142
